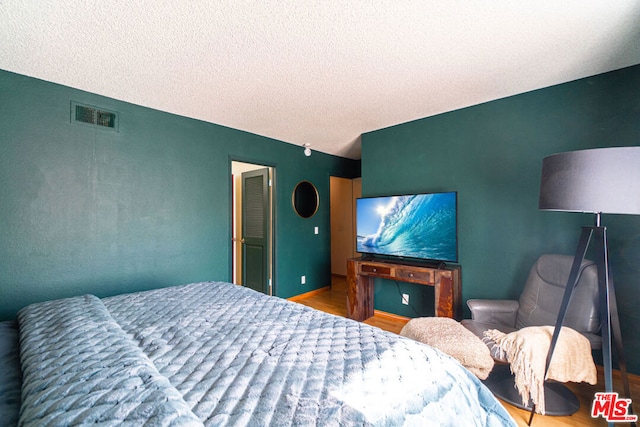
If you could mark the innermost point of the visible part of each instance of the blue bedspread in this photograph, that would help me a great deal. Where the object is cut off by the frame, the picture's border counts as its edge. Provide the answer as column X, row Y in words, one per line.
column 10, row 373
column 220, row 354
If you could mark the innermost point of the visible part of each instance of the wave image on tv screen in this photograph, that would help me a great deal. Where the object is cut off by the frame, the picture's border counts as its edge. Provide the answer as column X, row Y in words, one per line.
column 416, row 226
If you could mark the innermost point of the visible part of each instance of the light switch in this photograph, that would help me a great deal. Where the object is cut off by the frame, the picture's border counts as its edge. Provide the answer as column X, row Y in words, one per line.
column 315, row 230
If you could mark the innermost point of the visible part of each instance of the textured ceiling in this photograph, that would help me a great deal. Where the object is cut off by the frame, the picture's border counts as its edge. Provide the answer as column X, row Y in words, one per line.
column 315, row 72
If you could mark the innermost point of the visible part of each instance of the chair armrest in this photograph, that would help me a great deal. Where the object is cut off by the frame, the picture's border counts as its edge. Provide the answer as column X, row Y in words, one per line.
column 500, row 312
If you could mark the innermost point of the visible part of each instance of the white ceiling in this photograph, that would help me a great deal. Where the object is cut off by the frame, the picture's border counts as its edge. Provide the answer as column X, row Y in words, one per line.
column 315, row 72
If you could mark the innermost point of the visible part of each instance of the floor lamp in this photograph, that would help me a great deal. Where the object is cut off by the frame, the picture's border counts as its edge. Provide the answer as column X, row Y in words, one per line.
column 597, row 181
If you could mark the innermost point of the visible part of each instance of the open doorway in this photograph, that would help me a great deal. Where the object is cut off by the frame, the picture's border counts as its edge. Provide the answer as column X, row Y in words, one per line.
column 343, row 193
column 252, row 225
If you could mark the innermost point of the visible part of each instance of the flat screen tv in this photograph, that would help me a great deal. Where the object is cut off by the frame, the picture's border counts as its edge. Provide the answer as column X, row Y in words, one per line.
column 415, row 226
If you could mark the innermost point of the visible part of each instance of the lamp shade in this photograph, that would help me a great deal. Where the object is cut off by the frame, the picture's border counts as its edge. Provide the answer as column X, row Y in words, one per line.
column 601, row 180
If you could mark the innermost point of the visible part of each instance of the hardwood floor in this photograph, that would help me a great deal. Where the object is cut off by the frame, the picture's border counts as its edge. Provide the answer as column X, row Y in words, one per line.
column 333, row 300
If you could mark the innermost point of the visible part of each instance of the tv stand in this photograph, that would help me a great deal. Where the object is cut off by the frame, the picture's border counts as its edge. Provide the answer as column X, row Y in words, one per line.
column 361, row 272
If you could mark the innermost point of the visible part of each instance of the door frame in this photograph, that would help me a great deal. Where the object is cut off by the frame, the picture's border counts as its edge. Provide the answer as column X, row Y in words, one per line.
column 255, row 164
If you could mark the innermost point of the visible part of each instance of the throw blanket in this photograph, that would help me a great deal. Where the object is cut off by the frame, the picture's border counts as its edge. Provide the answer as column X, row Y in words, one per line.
column 220, row 354
column 452, row 338
column 526, row 350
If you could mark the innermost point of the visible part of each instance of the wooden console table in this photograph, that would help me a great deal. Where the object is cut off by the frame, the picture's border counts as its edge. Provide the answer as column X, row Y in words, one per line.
column 360, row 275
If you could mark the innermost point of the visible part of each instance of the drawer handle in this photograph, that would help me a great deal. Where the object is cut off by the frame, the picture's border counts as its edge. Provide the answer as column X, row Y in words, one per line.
column 410, row 274
column 375, row 270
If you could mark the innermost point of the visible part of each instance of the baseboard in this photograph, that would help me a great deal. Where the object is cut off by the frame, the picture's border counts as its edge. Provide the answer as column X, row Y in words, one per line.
column 308, row 294
column 391, row 315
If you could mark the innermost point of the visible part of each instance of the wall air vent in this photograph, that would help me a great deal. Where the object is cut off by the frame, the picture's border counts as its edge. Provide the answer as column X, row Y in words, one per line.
column 94, row 116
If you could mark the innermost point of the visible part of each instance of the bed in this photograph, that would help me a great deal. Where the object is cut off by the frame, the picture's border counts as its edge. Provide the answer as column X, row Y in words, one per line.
column 216, row 354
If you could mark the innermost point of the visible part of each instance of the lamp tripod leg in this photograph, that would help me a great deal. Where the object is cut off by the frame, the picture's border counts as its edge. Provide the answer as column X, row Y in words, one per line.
column 605, row 304
column 610, row 322
column 581, row 251
column 617, row 338
column 609, row 309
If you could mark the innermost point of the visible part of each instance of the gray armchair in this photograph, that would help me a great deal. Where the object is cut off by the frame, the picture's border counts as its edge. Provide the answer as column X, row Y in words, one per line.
column 539, row 305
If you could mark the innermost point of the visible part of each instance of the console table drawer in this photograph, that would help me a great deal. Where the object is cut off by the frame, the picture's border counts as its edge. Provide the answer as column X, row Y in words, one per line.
column 422, row 276
column 376, row 269
column 361, row 276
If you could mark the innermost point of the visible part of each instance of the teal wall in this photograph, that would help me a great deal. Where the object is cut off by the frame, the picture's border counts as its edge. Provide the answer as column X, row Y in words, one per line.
column 492, row 155
column 93, row 211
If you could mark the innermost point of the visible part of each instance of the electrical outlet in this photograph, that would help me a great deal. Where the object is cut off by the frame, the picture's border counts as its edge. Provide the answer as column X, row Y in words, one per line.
column 405, row 299
column 303, row 280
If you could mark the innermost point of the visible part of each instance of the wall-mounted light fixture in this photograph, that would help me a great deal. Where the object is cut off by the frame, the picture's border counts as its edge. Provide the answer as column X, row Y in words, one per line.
column 307, row 149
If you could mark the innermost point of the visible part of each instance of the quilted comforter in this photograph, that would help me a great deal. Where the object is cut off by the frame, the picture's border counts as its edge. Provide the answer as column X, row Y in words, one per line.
column 219, row 354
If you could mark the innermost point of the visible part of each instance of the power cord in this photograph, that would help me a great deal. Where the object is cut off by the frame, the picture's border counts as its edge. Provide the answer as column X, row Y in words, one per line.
column 408, row 303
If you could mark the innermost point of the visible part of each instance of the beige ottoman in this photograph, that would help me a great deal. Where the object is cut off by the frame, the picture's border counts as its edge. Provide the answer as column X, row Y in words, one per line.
column 452, row 338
